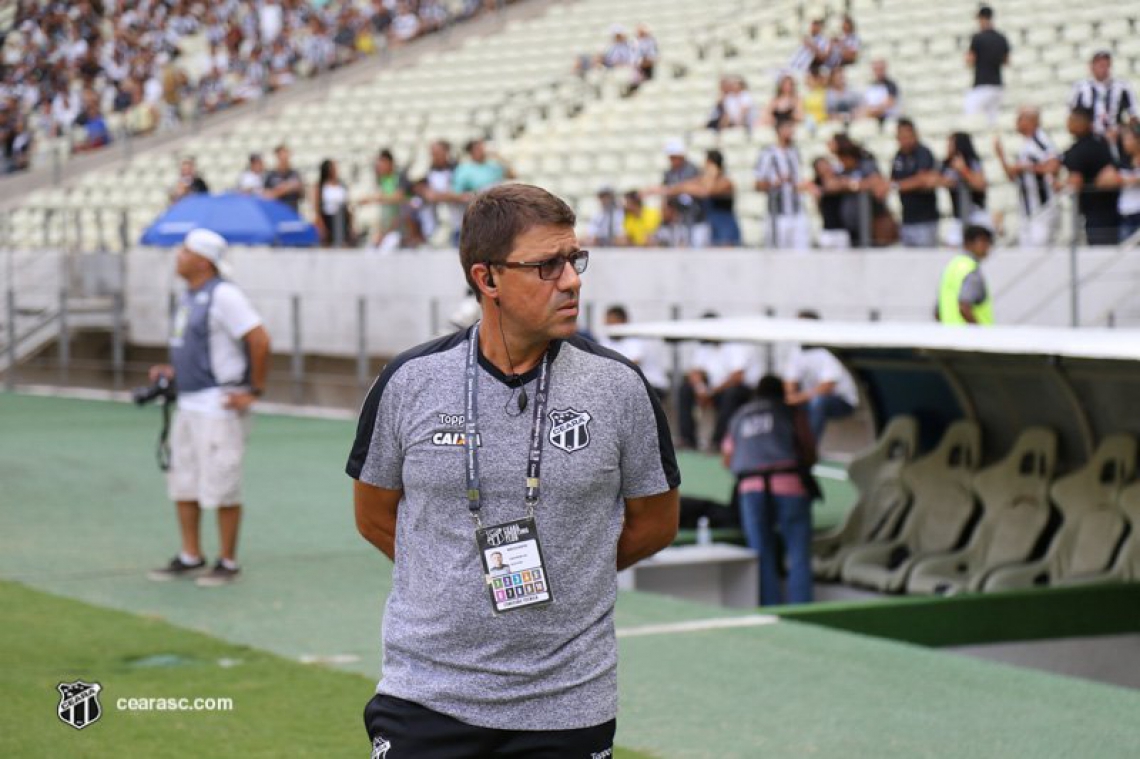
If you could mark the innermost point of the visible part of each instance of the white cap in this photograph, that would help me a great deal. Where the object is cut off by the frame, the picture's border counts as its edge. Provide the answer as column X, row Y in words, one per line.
column 209, row 245
column 616, row 29
column 675, row 146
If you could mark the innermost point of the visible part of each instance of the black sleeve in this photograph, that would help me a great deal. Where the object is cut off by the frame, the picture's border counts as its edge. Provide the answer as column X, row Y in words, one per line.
column 368, row 412
column 1071, row 159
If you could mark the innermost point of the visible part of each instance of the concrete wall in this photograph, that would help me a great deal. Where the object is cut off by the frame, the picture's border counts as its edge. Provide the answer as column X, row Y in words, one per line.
column 407, row 294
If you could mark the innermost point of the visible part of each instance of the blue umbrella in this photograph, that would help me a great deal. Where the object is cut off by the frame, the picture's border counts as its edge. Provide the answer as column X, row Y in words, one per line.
column 241, row 219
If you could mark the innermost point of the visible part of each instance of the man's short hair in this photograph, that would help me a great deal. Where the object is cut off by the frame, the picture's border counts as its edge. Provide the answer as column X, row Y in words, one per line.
column 386, row 153
column 906, row 122
column 1082, row 112
column 770, row 387
column 279, row 147
column 986, row 12
column 1102, row 54
column 807, row 313
column 976, row 231
column 496, row 218
column 618, row 312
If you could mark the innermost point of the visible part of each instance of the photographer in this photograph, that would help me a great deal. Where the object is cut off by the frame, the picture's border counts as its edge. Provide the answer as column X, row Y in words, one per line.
column 219, row 358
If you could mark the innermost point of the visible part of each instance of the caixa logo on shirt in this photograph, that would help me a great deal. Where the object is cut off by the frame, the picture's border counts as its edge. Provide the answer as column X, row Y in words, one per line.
column 452, row 436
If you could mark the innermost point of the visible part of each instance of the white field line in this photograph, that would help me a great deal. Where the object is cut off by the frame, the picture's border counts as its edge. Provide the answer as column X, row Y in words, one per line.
column 124, row 396
column 829, row 472
column 697, row 625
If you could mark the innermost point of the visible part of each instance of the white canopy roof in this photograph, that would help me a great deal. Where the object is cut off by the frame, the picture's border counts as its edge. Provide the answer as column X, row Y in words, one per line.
column 1085, row 343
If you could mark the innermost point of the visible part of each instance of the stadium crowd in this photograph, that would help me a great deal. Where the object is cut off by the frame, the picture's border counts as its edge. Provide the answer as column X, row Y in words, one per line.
column 86, row 70
column 848, row 186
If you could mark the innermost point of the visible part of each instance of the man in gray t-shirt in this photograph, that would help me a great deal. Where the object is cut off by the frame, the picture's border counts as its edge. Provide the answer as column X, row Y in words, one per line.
column 516, row 438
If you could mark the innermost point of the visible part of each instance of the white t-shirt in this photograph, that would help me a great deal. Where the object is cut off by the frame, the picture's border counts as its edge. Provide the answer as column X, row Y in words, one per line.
column 607, row 227
column 1129, row 202
column 812, row 367
column 231, row 317
column 333, row 198
column 645, row 353
column 251, row 181
column 718, row 361
column 740, row 108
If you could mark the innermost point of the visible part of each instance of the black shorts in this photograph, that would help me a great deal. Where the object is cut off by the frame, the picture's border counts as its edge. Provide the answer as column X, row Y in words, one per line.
column 401, row 729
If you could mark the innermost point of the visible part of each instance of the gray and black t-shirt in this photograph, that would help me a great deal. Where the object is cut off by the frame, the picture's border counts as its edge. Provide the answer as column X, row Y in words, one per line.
column 551, row 667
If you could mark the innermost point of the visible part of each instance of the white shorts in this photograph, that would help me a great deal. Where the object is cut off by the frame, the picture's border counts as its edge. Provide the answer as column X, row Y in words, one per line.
column 985, row 98
column 1038, row 232
column 206, row 455
column 793, row 232
column 834, row 239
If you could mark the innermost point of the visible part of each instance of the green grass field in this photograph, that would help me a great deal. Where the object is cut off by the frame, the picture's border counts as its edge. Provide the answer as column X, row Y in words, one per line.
column 280, row 707
column 83, row 515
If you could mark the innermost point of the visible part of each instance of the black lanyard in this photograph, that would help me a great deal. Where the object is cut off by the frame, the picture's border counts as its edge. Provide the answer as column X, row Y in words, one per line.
column 471, row 429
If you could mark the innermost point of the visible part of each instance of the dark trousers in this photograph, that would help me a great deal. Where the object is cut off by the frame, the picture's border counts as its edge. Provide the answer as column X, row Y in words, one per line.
column 726, row 403
column 401, row 729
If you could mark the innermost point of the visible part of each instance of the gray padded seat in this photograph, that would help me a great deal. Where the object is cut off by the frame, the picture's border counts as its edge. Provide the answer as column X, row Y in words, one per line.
column 1127, row 565
column 942, row 508
column 1015, row 515
column 1088, row 541
column 882, row 500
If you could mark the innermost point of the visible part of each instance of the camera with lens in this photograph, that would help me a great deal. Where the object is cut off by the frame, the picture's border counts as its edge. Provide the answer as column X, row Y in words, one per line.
column 163, row 388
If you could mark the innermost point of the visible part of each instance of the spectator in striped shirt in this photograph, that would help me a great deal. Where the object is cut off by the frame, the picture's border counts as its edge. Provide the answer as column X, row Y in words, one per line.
column 647, row 51
column 1111, row 100
column 1034, row 170
column 621, row 52
column 816, row 48
column 844, row 49
column 779, row 173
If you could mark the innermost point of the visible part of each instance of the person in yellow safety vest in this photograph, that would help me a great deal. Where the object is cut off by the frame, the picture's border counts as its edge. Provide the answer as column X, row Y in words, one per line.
column 964, row 298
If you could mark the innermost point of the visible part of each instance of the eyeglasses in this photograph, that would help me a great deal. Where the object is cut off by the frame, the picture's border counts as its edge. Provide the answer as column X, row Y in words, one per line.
column 551, row 268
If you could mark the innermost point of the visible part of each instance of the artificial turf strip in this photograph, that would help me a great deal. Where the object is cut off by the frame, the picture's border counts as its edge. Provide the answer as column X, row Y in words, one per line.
column 1037, row 614
column 281, row 708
